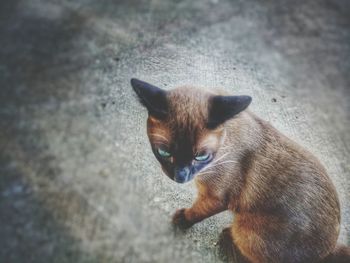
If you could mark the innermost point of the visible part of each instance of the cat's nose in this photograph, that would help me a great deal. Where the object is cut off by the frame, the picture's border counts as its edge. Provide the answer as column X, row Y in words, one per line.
column 182, row 175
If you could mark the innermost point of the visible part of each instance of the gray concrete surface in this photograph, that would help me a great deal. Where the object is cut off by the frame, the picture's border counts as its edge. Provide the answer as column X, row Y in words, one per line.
column 78, row 181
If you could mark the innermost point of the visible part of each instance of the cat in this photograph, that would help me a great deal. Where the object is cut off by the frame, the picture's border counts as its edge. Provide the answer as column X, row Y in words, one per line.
column 286, row 207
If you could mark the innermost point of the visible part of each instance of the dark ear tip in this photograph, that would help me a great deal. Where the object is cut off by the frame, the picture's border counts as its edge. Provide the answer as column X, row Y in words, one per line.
column 134, row 82
column 249, row 99
column 245, row 99
column 137, row 85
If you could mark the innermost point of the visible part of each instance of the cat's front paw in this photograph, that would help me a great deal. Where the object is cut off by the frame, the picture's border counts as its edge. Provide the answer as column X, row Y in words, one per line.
column 179, row 219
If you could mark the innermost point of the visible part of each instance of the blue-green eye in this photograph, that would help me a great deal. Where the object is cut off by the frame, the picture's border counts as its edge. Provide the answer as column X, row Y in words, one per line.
column 202, row 157
column 163, row 153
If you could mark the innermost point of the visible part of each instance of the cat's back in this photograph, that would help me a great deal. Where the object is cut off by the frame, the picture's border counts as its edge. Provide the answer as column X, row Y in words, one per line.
column 288, row 185
column 290, row 176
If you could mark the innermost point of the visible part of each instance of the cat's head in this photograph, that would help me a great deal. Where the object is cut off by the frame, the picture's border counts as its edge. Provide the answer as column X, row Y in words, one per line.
column 185, row 126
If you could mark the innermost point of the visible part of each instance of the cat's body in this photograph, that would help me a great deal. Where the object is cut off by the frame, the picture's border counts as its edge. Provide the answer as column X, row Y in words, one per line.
column 286, row 207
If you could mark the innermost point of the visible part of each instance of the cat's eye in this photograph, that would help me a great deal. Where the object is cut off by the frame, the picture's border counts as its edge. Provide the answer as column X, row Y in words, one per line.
column 163, row 153
column 202, row 157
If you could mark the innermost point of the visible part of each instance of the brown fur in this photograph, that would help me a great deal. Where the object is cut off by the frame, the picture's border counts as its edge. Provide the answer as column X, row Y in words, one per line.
column 286, row 207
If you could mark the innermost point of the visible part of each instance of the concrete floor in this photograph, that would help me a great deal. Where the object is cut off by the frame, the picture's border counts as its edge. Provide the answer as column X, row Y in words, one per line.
column 78, row 181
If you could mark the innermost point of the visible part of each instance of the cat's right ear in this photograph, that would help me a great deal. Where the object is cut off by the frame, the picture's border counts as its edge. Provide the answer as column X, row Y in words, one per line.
column 153, row 98
column 223, row 108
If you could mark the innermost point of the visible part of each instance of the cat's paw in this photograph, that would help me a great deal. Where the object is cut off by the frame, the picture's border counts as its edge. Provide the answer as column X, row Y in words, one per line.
column 179, row 219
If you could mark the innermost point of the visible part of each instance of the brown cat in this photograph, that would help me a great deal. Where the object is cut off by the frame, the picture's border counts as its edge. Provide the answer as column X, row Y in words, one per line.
column 286, row 207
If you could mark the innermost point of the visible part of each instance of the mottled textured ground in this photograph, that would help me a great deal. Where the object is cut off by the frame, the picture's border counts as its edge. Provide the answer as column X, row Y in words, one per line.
column 78, row 181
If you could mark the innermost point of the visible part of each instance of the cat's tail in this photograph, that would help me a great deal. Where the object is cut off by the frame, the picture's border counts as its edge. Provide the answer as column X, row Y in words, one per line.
column 341, row 254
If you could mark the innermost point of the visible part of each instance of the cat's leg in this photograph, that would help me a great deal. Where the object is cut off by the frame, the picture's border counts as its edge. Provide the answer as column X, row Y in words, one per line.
column 228, row 249
column 253, row 237
column 263, row 238
column 204, row 207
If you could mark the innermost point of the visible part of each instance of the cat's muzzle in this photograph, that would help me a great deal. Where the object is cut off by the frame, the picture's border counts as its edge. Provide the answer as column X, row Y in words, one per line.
column 183, row 175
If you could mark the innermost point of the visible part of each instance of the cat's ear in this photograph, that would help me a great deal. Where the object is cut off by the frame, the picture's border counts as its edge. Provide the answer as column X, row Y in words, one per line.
column 153, row 98
column 223, row 108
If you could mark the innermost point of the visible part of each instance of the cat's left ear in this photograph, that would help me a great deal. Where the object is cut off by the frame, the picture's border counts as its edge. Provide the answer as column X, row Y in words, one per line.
column 223, row 108
column 153, row 98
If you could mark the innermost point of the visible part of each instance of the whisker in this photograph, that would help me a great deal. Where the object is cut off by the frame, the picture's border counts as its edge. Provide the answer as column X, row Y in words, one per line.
column 215, row 161
column 209, row 172
column 222, row 156
column 217, row 164
column 226, row 162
